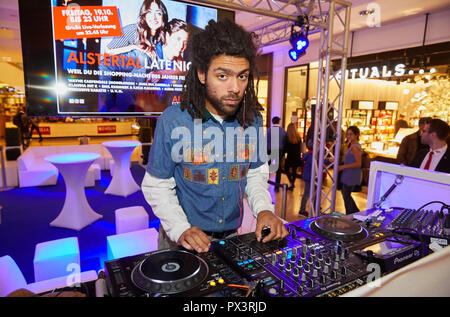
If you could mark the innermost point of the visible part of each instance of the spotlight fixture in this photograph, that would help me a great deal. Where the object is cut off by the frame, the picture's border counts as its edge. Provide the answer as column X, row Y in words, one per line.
column 299, row 37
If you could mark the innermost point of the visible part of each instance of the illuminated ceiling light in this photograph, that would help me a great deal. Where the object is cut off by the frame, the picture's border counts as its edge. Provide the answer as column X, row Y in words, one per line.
column 406, row 91
column 421, row 71
column 432, row 70
column 411, row 72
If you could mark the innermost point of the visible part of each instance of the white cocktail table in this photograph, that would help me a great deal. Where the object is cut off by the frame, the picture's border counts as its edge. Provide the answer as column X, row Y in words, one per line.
column 76, row 212
column 122, row 182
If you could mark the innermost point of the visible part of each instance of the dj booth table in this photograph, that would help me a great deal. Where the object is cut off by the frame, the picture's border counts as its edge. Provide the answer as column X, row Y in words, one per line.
column 325, row 256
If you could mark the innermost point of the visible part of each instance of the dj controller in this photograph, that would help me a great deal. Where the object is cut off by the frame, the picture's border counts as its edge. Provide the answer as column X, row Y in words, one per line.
column 328, row 255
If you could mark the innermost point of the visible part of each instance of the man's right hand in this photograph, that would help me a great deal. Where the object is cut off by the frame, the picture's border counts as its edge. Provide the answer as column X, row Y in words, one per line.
column 195, row 239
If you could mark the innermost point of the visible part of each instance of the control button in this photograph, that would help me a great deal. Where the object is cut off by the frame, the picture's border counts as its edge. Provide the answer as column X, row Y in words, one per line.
column 303, row 278
column 315, row 273
column 212, row 283
column 273, row 291
column 221, row 281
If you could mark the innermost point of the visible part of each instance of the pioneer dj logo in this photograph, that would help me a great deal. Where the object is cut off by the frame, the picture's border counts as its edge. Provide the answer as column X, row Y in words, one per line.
column 406, row 257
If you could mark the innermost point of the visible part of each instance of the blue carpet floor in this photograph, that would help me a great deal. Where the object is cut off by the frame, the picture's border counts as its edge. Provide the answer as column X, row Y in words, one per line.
column 27, row 213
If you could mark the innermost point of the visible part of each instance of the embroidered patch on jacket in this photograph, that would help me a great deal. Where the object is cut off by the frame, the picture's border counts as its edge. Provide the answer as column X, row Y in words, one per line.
column 187, row 173
column 244, row 170
column 199, row 176
column 234, row 173
column 213, row 176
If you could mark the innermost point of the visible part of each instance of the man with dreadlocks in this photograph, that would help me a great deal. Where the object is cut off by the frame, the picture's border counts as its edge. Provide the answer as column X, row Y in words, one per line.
column 198, row 193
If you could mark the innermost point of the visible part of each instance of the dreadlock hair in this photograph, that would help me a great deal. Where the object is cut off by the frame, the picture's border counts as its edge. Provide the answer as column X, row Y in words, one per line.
column 220, row 38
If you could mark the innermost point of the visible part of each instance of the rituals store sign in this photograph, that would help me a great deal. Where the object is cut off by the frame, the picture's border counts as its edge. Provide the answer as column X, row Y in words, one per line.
column 374, row 72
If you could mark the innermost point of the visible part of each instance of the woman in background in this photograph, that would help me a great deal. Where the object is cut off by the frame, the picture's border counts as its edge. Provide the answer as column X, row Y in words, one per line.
column 148, row 34
column 293, row 150
column 351, row 169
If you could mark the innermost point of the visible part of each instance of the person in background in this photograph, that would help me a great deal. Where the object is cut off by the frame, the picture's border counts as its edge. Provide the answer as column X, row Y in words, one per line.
column 306, row 176
column 84, row 140
column 307, row 159
column 276, row 129
column 293, row 150
column 19, row 120
column 351, row 169
column 31, row 123
column 412, row 143
column 400, row 123
column 437, row 157
column 148, row 34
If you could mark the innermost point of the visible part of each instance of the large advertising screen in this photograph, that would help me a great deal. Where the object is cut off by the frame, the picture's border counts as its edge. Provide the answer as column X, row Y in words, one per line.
column 110, row 57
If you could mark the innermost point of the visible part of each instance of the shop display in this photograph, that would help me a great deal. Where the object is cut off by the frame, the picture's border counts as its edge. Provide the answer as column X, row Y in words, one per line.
column 375, row 125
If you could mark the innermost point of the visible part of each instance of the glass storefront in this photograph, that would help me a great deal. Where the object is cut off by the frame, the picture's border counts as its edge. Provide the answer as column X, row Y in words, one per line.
column 296, row 97
column 375, row 96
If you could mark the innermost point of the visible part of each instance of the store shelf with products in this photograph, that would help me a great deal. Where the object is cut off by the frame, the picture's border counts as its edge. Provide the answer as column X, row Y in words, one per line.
column 375, row 125
column 10, row 101
column 303, row 121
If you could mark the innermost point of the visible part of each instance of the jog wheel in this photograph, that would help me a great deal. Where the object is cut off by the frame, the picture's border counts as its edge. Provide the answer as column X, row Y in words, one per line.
column 169, row 272
column 338, row 228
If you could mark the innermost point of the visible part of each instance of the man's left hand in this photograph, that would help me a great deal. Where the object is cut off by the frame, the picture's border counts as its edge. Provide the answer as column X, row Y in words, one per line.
column 266, row 218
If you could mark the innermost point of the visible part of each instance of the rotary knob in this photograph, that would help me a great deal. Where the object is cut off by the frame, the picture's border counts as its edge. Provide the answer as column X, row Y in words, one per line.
column 320, row 257
column 288, row 268
column 318, row 265
column 295, row 273
column 306, row 268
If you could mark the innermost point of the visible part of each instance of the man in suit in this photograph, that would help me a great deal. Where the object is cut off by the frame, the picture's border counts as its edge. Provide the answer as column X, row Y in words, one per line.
column 411, row 144
column 437, row 158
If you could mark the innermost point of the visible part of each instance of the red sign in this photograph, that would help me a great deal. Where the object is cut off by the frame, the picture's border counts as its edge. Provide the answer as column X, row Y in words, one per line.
column 76, row 22
column 106, row 129
column 44, row 131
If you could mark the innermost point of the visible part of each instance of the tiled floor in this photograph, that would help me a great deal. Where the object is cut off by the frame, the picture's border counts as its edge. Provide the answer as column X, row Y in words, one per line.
column 293, row 199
